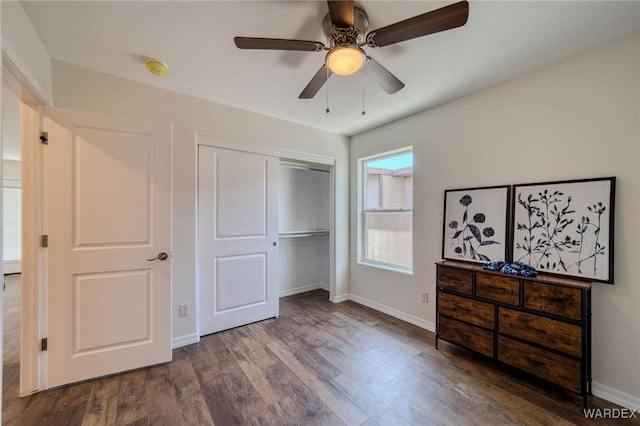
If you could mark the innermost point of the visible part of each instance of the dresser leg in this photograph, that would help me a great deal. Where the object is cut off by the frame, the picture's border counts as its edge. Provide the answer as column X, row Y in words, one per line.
column 436, row 341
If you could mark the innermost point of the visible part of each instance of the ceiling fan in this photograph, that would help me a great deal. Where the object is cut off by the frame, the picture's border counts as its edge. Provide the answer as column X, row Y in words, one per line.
column 345, row 26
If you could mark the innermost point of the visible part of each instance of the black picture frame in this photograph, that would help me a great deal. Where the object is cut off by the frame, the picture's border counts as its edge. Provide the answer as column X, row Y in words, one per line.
column 566, row 227
column 476, row 224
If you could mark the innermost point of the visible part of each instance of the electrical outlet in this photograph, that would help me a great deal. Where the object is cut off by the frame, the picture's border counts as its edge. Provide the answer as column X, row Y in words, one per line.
column 183, row 310
column 425, row 297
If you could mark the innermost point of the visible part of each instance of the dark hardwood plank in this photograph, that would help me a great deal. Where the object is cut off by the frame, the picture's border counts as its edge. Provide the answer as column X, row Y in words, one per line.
column 163, row 404
column 305, row 401
column 368, row 402
column 236, row 398
column 254, row 372
column 132, row 397
column 102, row 405
column 192, row 406
column 340, row 404
column 70, row 405
column 208, row 370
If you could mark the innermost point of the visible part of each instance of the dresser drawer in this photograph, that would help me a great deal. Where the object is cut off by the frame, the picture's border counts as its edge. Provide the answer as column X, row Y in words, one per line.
column 473, row 311
column 552, row 299
column 547, row 365
column 455, row 279
column 546, row 332
column 469, row 336
column 499, row 288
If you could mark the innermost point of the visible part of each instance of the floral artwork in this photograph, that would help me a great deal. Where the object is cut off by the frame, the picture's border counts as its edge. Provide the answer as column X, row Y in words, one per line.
column 475, row 225
column 566, row 227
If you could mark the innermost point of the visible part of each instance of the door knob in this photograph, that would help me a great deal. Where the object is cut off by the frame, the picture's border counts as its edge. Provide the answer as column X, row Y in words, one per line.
column 161, row 256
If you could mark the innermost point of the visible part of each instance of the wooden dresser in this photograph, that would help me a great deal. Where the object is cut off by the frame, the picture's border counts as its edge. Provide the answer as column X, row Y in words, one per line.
column 541, row 325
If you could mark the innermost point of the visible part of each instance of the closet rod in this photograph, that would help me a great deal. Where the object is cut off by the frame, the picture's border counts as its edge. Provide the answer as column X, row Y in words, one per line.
column 306, row 233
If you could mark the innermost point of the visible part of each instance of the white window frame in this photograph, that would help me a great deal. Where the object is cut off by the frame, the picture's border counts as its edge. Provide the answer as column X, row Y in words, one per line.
column 361, row 232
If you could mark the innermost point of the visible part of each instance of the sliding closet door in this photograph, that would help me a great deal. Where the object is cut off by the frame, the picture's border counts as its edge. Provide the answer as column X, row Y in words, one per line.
column 237, row 238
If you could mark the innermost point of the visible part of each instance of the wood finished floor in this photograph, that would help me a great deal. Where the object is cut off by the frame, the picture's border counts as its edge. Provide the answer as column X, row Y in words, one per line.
column 318, row 364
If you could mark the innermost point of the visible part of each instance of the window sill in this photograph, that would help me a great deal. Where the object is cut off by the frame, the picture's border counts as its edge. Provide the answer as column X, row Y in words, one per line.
column 386, row 267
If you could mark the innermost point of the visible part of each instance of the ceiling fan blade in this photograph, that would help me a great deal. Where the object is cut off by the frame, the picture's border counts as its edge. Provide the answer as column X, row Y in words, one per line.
column 277, row 44
column 316, row 83
column 341, row 13
column 389, row 82
column 446, row 18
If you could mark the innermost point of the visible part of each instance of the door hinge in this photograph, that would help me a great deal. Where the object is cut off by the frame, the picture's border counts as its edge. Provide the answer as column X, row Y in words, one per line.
column 44, row 138
column 44, row 241
column 43, row 344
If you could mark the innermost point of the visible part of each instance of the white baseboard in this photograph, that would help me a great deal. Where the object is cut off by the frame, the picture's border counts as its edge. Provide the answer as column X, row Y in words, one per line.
column 12, row 267
column 303, row 289
column 617, row 397
column 178, row 342
column 340, row 299
column 394, row 313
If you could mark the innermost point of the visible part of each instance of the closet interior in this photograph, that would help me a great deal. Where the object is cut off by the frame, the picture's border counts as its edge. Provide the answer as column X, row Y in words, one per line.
column 304, row 220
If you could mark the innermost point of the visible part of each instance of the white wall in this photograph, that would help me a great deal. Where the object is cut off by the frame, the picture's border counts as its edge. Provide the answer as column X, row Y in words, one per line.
column 575, row 119
column 304, row 199
column 84, row 89
column 304, row 264
column 21, row 43
column 12, row 170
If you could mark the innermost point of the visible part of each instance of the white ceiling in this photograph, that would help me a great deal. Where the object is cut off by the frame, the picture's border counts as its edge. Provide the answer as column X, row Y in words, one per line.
column 500, row 41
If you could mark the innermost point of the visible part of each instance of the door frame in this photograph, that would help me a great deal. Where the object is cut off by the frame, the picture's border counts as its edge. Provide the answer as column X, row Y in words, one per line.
column 34, row 263
column 281, row 153
column 32, row 97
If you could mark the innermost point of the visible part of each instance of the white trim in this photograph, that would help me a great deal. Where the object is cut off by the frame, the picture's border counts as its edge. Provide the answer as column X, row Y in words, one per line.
column 12, row 267
column 18, row 76
column 188, row 339
column 341, row 298
column 32, row 371
column 265, row 150
column 427, row 325
column 616, row 396
column 304, row 289
column 386, row 266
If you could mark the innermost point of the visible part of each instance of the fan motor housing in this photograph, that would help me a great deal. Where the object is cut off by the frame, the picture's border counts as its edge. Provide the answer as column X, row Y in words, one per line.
column 352, row 35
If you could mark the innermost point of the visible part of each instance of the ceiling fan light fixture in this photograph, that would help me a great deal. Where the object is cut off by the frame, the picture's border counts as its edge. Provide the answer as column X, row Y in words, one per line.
column 345, row 60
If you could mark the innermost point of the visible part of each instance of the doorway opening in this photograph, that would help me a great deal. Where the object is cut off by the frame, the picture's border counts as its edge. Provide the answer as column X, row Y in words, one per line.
column 11, row 239
column 304, row 231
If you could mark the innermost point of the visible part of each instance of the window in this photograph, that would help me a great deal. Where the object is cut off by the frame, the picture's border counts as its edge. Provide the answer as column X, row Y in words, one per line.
column 12, row 243
column 386, row 218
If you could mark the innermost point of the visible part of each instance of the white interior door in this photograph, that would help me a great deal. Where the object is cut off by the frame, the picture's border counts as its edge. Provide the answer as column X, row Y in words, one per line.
column 108, row 195
column 237, row 238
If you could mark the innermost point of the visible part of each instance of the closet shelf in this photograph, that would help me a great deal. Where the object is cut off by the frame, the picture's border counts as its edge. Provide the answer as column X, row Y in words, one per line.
column 305, row 233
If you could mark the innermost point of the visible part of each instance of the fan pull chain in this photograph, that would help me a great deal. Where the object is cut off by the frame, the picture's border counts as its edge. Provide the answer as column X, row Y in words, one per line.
column 327, row 84
column 363, row 81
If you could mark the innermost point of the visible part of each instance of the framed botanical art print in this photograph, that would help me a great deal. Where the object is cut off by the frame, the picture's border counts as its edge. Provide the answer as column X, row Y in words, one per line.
column 475, row 227
column 566, row 227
